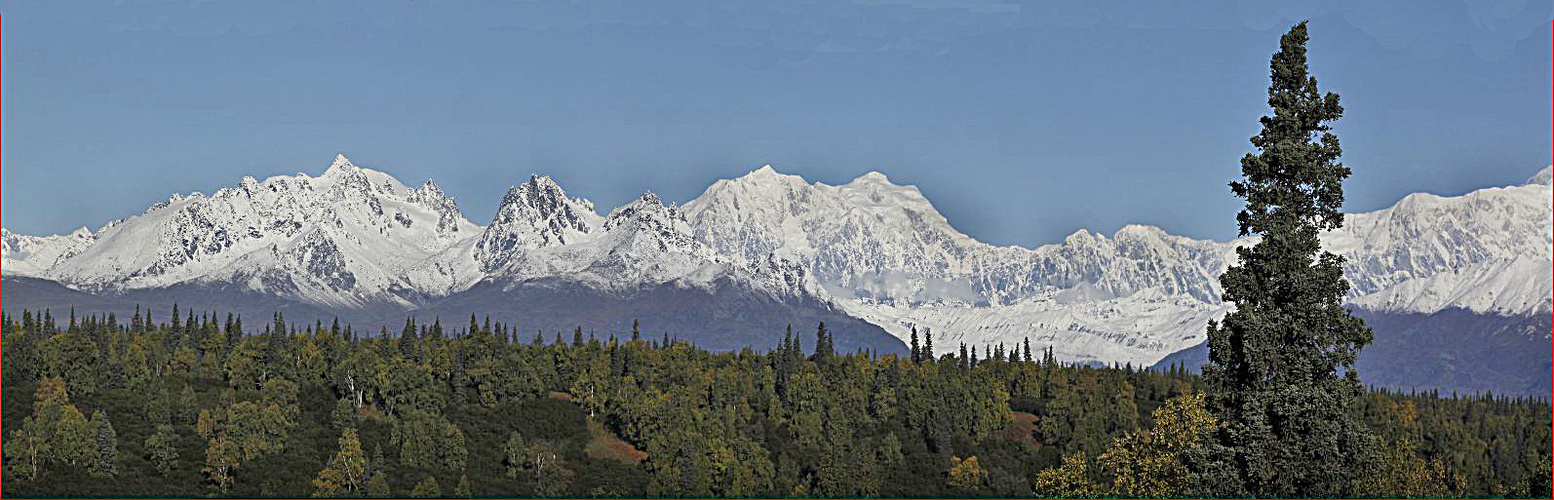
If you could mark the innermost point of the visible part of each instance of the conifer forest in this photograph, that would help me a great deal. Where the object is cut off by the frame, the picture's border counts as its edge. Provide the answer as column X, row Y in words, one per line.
column 207, row 403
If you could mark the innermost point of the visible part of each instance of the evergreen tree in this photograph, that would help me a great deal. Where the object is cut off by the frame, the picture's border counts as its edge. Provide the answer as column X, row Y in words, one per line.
column 917, row 353
column 824, row 349
column 107, row 446
column 407, row 340
column 1280, row 372
column 928, row 344
column 378, row 487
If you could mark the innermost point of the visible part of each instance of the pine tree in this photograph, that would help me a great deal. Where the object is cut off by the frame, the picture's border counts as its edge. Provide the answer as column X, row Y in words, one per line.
column 376, row 464
column 378, row 487
column 824, row 349
column 1275, row 363
column 407, row 340
column 928, row 344
column 107, row 446
column 917, row 353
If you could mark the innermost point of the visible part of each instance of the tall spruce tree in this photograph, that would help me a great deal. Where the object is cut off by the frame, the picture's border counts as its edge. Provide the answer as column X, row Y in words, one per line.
column 824, row 349
column 107, row 463
column 928, row 344
column 1280, row 372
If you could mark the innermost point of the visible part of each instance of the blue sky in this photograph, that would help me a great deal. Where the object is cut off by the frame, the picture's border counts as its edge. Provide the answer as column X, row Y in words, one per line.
column 1022, row 121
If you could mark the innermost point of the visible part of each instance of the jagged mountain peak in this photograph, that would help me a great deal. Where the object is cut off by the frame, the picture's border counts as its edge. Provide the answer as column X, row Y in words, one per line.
column 647, row 200
column 537, row 213
column 358, row 228
column 648, row 207
column 340, row 166
column 430, row 188
column 1080, row 237
column 876, row 249
column 543, row 194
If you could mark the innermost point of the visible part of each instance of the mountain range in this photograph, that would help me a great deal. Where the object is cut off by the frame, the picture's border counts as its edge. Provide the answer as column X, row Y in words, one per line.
column 749, row 256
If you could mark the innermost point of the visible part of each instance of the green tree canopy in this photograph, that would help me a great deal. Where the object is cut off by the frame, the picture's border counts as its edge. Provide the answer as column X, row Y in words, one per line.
column 1280, row 373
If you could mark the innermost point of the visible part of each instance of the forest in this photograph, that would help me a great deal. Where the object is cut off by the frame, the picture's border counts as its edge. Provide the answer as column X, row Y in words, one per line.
column 199, row 405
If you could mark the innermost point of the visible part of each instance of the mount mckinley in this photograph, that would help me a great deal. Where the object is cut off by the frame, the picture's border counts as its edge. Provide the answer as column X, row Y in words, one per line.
column 732, row 267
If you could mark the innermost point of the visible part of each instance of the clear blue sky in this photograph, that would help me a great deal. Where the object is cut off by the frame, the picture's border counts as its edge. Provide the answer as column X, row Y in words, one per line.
column 1022, row 121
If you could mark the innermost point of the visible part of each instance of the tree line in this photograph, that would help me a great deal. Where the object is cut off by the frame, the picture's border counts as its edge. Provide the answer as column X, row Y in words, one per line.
column 199, row 406
column 205, row 407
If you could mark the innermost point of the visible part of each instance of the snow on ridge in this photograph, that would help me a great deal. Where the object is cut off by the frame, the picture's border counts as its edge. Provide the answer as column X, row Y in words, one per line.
column 32, row 256
column 880, row 251
column 1544, row 177
column 346, row 235
column 885, row 255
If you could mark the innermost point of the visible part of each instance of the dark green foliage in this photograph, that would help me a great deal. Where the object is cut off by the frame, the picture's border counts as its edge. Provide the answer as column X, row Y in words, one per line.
column 710, row 424
column 162, row 448
column 107, row 463
column 343, row 414
column 427, row 488
column 1280, row 372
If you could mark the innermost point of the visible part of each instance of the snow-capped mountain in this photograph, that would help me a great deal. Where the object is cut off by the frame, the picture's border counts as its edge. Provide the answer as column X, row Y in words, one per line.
column 533, row 215
column 539, row 232
column 887, row 256
column 773, row 246
column 33, row 255
column 343, row 239
column 1487, row 251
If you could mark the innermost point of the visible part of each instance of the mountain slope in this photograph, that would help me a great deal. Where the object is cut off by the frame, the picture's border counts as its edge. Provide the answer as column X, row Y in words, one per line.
column 888, row 256
column 1485, row 251
column 357, row 243
column 35, row 255
column 341, row 240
